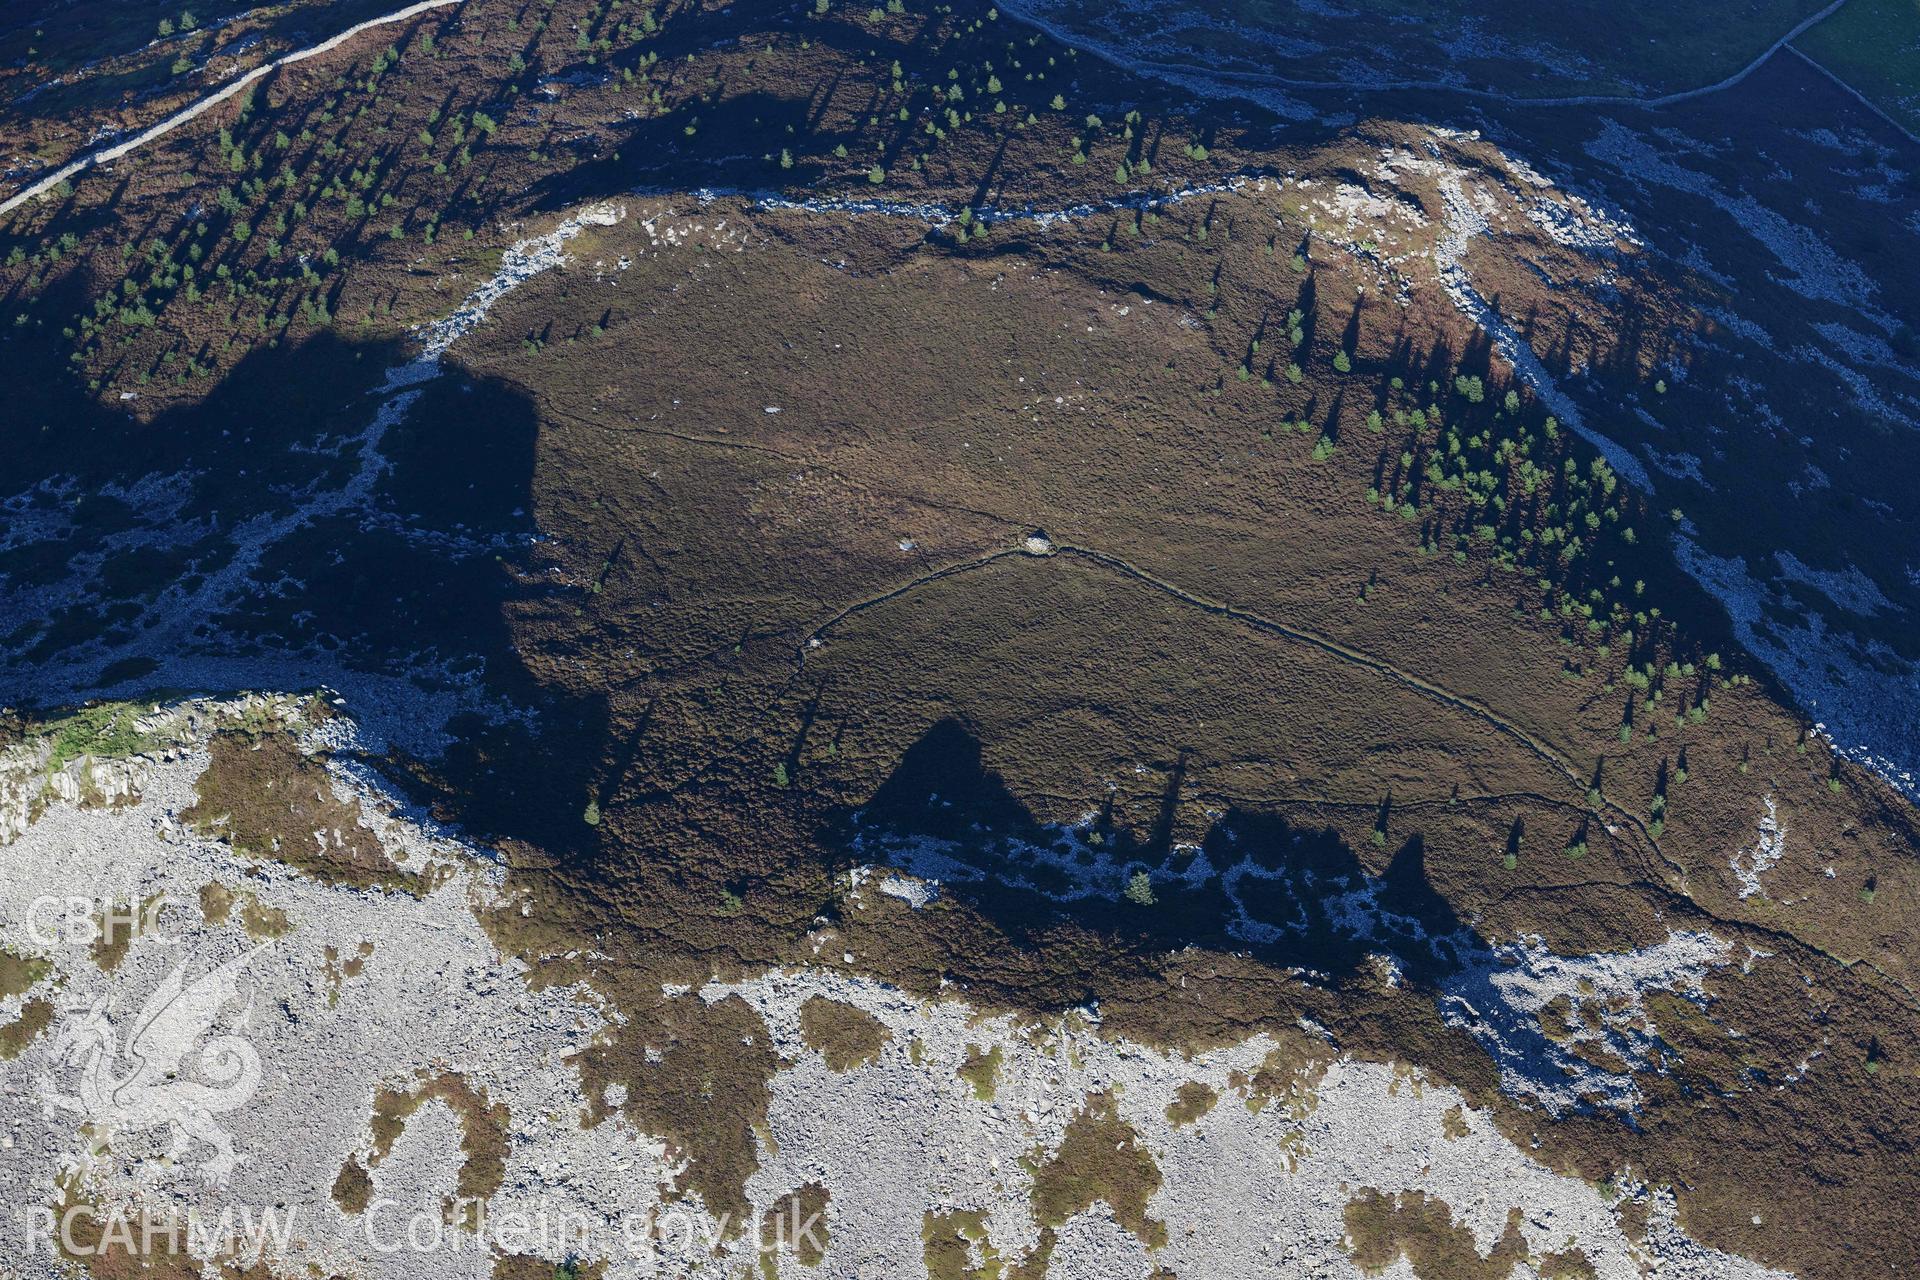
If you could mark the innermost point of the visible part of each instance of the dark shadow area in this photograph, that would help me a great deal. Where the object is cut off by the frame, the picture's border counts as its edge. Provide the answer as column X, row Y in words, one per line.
column 209, row 549
column 942, row 789
column 1294, row 896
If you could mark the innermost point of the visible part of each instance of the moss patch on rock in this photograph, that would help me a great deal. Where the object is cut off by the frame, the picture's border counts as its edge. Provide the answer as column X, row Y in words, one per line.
column 1382, row 1229
column 1101, row 1160
column 1191, row 1101
column 843, row 1035
column 270, row 800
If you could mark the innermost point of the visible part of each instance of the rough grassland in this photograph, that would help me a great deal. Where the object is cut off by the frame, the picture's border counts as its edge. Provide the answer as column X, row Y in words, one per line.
column 1274, row 611
column 1874, row 45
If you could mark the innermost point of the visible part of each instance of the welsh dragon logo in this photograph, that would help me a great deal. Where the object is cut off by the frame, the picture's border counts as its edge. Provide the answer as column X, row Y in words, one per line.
column 174, row 1068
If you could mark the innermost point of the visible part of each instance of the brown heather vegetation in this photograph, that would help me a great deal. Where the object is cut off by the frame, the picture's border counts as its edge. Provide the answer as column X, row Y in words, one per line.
column 844, row 1036
column 20, row 974
column 1452, row 723
column 522, row 1267
column 981, row 1071
column 1191, row 1102
column 71, row 71
column 35, row 1016
column 1382, row 1229
column 261, row 921
column 484, row 1138
column 1414, row 633
column 117, row 1256
column 269, row 800
column 1100, row 1160
column 797, row 1221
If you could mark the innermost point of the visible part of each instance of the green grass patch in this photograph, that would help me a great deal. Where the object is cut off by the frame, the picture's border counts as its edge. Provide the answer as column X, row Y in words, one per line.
column 1874, row 45
column 107, row 730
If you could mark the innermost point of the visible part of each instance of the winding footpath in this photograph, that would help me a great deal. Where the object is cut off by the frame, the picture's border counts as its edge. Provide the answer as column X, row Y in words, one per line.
column 1024, row 10
column 1676, row 875
column 1258, row 622
column 178, row 118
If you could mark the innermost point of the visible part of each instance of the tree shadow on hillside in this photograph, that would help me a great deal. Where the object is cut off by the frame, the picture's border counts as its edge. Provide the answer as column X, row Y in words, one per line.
column 1296, row 896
